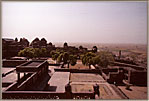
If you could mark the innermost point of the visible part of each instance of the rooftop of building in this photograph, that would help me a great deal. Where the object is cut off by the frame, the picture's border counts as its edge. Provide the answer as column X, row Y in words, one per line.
column 80, row 82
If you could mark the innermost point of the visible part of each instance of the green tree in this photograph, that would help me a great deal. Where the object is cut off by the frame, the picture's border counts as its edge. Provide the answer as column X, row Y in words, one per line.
column 33, row 52
column 43, row 52
column 55, row 55
column 73, row 59
column 87, row 58
column 37, row 52
column 27, row 52
column 105, row 58
column 102, row 59
column 65, row 58
column 59, row 58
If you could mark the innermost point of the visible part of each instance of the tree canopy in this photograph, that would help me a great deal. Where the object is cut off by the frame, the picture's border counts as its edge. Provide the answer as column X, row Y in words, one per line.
column 102, row 58
column 33, row 52
column 105, row 58
column 65, row 57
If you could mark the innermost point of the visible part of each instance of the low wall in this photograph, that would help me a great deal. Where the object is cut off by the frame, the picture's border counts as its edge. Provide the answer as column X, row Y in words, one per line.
column 34, row 67
column 54, row 64
column 78, row 70
column 28, row 83
column 112, row 75
column 14, row 86
column 128, row 65
column 45, row 95
column 12, row 63
column 107, row 70
column 138, row 78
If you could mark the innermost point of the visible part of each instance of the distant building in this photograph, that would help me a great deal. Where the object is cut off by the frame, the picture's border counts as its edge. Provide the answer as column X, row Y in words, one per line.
column 94, row 49
column 43, row 43
column 50, row 46
column 10, row 47
column 65, row 45
column 24, row 42
column 35, row 43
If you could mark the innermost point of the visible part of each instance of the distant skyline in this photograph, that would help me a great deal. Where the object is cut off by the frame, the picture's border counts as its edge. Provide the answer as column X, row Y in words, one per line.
column 76, row 21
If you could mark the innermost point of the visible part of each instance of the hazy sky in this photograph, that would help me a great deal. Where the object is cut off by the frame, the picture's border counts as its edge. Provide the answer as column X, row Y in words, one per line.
column 76, row 21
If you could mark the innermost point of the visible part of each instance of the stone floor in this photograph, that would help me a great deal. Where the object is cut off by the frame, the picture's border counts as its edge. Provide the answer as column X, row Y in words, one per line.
column 88, row 77
column 135, row 92
column 34, row 63
column 7, row 70
column 83, row 82
column 10, row 78
column 79, row 65
column 58, row 81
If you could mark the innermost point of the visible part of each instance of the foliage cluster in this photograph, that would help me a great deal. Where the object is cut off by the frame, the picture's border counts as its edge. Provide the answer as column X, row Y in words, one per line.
column 33, row 52
column 102, row 58
column 65, row 57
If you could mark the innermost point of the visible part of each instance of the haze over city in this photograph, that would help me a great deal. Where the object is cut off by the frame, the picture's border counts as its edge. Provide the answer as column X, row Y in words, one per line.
column 90, row 21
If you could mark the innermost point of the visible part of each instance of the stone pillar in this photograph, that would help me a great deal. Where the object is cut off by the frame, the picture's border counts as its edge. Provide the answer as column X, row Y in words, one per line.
column 68, row 91
column 120, row 76
column 119, row 54
column 18, row 76
column 96, row 91
column 68, row 64
column 129, row 76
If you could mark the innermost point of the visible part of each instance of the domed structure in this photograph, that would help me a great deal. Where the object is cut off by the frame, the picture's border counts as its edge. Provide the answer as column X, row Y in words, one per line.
column 35, row 43
column 16, row 39
column 65, row 45
column 94, row 49
column 25, row 42
column 36, row 39
column 43, row 42
column 50, row 44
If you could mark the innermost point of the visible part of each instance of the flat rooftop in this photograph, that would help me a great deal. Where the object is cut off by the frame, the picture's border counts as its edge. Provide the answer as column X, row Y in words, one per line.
column 83, row 82
column 86, row 77
column 135, row 92
column 31, row 66
column 7, row 70
column 51, row 69
column 33, row 63
column 10, row 78
column 58, row 81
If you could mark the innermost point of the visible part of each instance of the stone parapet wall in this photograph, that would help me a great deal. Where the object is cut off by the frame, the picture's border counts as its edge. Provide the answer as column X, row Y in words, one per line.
column 138, row 78
column 12, row 63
